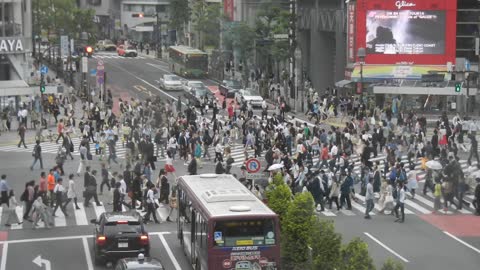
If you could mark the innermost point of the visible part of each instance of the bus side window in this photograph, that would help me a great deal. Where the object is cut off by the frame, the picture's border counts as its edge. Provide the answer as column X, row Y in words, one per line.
column 198, row 230
column 204, row 234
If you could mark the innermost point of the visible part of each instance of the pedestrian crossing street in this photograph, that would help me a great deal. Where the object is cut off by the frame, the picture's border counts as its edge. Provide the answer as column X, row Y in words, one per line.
column 76, row 217
column 420, row 205
column 114, row 56
column 238, row 151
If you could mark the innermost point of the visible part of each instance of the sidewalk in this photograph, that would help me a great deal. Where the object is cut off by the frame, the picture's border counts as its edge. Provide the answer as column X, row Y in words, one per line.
column 11, row 137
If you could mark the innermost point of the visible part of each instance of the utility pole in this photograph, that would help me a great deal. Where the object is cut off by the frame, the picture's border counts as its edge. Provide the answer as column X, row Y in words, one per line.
column 293, row 44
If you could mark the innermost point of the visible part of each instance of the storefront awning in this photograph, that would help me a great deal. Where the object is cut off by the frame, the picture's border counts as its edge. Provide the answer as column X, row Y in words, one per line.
column 342, row 83
column 372, row 73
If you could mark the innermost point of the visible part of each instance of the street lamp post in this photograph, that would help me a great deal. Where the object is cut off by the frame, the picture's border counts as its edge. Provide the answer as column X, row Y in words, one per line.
column 361, row 57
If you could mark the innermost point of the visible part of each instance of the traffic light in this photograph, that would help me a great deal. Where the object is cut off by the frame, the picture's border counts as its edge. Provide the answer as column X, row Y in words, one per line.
column 137, row 15
column 458, row 87
column 42, row 85
column 89, row 49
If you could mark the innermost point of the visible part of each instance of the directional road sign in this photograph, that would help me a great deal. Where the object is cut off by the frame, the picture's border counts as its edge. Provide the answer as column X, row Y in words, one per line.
column 44, row 70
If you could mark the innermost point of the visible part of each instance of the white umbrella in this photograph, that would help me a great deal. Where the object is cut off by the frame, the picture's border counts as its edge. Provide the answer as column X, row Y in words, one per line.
column 275, row 167
column 434, row 165
column 475, row 174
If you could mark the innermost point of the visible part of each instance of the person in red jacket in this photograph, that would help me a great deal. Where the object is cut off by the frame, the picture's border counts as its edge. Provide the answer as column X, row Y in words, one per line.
column 324, row 156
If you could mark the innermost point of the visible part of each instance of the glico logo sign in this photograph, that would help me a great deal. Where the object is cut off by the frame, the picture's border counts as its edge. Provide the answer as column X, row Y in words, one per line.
column 402, row 4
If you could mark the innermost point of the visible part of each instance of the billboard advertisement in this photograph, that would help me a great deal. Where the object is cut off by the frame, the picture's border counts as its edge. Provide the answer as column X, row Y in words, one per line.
column 408, row 32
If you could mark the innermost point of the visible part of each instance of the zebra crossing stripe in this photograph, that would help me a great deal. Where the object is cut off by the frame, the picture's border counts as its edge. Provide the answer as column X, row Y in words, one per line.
column 359, row 207
column 99, row 209
column 163, row 212
column 328, row 213
column 19, row 211
column 347, row 212
column 80, row 215
column 60, row 219
column 417, row 207
column 377, row 206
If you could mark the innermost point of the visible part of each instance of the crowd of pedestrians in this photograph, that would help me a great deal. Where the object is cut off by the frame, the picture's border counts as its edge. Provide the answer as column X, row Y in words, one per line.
column 157, row 129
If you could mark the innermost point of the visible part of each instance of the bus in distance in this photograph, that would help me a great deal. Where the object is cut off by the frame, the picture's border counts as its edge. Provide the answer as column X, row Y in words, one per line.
column 188, row 62
column 223, row 226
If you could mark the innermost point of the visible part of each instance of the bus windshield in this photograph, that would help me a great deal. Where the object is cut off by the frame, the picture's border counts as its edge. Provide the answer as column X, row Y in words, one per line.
column 196, row 62
column 244, row 233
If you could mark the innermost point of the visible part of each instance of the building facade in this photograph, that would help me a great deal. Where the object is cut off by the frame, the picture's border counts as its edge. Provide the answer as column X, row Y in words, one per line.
column 141, row 28
column 322, row 40
column 107, row 17
column 16, row 63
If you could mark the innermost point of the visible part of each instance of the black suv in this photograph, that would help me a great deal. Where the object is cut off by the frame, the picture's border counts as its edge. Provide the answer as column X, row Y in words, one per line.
column 119, row 235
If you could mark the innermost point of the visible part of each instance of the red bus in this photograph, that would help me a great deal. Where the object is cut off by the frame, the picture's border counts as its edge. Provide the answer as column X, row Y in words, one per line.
column 223, row 226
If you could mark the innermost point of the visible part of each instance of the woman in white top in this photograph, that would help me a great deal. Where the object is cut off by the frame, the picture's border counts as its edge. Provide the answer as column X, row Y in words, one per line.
column 71, row 193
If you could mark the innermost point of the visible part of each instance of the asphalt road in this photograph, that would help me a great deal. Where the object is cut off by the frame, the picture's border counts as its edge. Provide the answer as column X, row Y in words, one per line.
column 423, row 242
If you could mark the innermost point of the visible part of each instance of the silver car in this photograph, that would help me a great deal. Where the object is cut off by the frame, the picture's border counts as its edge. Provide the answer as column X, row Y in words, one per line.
column 171, row 83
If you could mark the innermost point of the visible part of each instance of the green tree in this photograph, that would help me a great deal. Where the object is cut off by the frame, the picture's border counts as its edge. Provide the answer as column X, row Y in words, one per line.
column 297, row 231
column 206, row 19
column 179, row 15
column 273, row 18
column 279, row 197
column 52, row 16
column 391, row 264
column 326, row 245
column 354, row 256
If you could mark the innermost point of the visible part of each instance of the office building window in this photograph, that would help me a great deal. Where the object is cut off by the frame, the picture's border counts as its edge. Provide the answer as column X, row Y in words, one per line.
column 161, row 8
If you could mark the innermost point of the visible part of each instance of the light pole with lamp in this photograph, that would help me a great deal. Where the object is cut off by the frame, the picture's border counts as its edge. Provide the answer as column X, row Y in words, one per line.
column 361, row 54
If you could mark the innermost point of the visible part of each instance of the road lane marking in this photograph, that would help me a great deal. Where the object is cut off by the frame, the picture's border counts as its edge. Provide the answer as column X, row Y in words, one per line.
column 3, row 264
column 169, row 252
column 158, row 67
column 60, row 238
column 87, row 253
column 386, row 247
column 462, row 242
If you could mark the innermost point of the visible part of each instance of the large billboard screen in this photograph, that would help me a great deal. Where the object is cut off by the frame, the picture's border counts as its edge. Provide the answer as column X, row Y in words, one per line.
column 405, row 32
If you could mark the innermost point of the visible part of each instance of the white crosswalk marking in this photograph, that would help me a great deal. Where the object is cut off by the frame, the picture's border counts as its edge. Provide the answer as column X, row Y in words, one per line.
column 417, row 207
column 99, row 209
column 114, row 56
column 80, row 215
column 328, row 213
column 19, row 211
column 377, row 206
column 60, row 219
